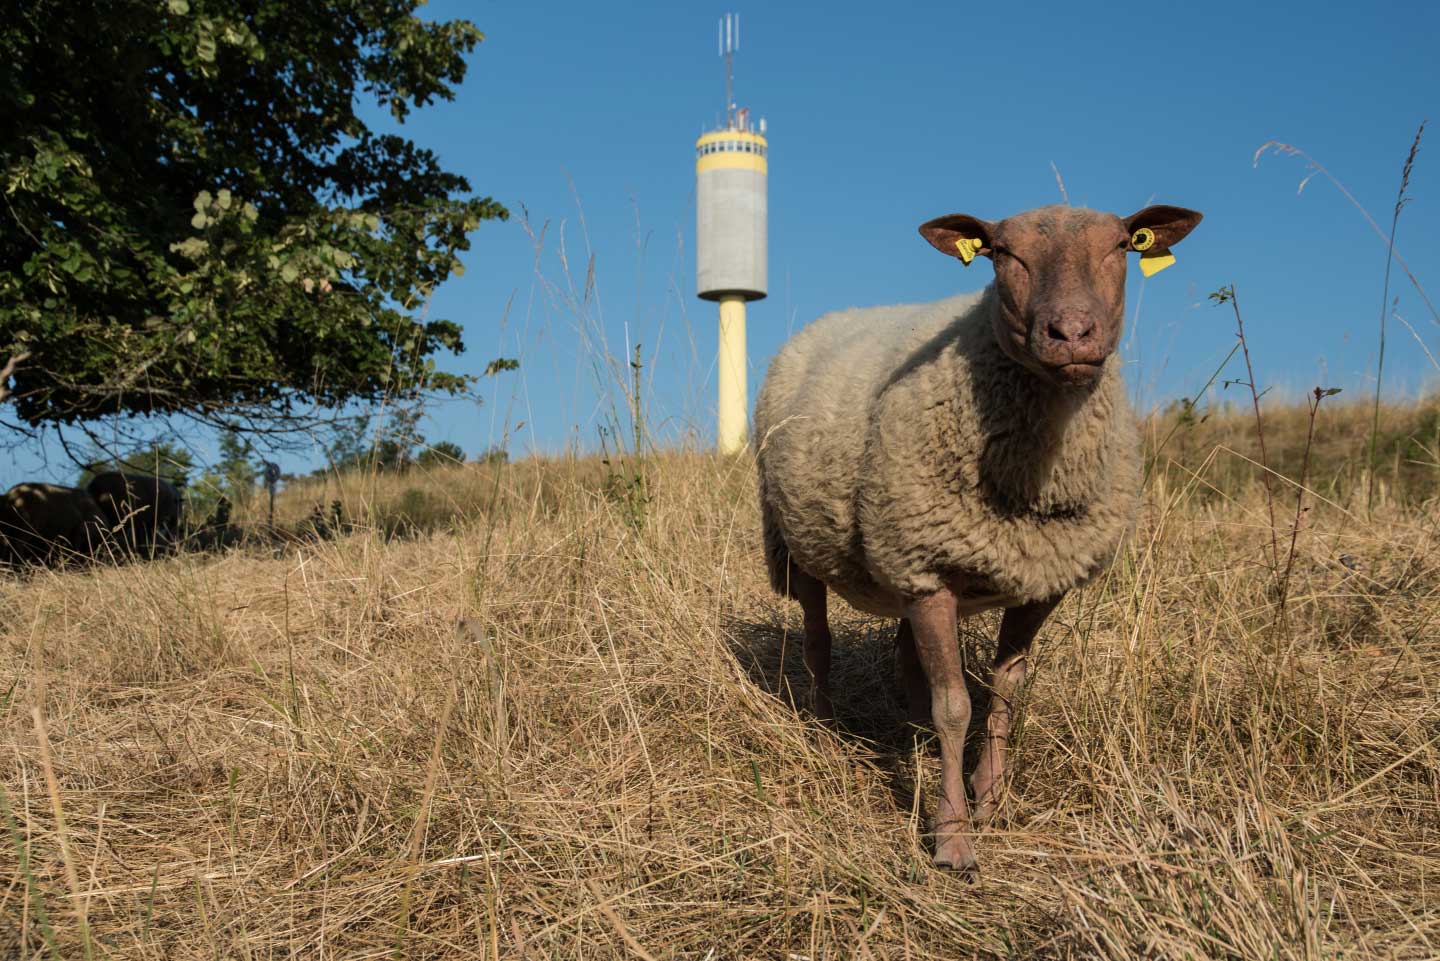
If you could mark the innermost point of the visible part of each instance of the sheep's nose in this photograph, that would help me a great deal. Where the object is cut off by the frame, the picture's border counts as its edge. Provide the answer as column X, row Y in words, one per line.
column 1070, row 327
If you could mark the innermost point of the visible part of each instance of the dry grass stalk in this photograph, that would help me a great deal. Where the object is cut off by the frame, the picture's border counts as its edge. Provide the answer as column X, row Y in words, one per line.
column 1400, row 201
column 1227, row 295
column 1316, row 168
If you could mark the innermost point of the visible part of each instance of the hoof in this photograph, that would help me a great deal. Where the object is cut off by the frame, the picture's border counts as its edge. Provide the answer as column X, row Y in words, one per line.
column 962, row 862
column 954, row 852
column 821, row 707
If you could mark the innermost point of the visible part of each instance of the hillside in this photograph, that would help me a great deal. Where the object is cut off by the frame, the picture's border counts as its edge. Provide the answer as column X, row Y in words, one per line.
column 255, row 756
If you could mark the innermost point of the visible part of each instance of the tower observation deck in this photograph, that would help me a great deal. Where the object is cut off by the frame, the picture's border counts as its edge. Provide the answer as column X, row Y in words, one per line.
column 731, row 168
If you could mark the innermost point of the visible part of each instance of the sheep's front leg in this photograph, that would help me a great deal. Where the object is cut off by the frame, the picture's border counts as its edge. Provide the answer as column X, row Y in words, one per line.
column 932, row 620
column 1017, row 630
column 810, row 592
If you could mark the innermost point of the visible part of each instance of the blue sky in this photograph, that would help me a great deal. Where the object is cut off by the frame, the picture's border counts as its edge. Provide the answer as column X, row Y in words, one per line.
column 881, row 117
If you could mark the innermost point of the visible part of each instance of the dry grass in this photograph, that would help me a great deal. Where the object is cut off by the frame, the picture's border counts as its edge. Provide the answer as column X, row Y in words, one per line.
column 1221, row 440
column 258, row 756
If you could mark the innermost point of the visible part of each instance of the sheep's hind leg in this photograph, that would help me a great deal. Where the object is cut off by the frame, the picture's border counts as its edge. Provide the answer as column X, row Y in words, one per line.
column 1017, row 630
column 810, row 592
column 912, row 676
column 932, row 619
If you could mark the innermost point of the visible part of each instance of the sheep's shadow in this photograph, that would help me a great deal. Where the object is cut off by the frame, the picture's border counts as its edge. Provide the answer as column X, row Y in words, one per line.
column 868, row 699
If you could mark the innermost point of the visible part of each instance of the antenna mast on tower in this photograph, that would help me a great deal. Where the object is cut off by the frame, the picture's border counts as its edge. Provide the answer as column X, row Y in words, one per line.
column 729, row 43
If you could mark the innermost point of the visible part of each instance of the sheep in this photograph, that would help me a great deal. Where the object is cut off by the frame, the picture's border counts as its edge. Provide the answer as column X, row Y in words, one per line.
column 931, row 461
column 144, row 510
column 47, row 523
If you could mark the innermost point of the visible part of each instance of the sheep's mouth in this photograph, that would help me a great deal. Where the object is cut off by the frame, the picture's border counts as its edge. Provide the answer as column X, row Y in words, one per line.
column 1076, row 373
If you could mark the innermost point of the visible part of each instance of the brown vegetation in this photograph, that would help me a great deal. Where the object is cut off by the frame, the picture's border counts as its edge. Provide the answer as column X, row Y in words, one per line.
column 257, row 756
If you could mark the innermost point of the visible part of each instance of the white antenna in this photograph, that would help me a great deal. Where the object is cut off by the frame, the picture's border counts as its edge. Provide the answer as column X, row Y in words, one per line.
column 729, row 43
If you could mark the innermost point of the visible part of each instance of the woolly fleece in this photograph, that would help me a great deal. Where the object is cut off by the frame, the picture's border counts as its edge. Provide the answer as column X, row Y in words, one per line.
column 36, row 518
column 900, row 451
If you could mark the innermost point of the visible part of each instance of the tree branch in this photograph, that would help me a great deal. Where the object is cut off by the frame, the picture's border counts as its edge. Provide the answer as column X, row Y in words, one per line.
column 8, row 371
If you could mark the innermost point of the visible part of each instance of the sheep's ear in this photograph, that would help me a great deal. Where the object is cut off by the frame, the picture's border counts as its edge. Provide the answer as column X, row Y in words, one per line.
column 1167, row 226
column 1154, row 230
column 959, row 235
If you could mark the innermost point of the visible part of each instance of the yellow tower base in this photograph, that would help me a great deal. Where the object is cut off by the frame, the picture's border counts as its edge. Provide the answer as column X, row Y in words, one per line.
column 732, row 427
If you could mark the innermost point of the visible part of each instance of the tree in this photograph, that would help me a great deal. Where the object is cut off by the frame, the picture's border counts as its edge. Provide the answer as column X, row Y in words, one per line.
column 442, row 453
column 494, row 457
column 354, row 446
column 234, row 476
column 238, row 470
column 197, row 220
column 395, row 450
column 157, row 459
column 349, row 445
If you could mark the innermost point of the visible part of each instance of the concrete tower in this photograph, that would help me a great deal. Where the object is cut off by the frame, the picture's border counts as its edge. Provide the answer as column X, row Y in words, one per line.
column 731, row 166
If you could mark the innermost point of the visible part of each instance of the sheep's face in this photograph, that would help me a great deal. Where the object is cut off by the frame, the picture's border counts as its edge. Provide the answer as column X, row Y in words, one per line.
column 1060, row 279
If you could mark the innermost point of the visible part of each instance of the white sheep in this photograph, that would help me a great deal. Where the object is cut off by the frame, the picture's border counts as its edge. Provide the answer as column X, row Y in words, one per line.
column 932, row 461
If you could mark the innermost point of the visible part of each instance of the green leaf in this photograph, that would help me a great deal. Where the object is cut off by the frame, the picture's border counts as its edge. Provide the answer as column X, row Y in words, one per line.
column 179, row 7
column 192, row 247
column 223, row 199
column 199, row 220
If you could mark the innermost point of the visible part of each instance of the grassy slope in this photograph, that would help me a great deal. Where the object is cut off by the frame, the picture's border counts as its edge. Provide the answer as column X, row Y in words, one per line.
column 261, row 756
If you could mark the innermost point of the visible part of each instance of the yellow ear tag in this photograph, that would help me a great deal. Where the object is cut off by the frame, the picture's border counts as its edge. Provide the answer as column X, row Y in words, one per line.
column 1152, row 264
column 967, row 248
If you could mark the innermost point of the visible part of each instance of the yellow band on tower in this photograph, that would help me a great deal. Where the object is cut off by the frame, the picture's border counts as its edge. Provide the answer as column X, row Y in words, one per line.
column 731, row 149
column 734, row 161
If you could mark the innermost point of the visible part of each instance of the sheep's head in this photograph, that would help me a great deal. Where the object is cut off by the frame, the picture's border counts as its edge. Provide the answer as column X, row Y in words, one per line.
column 1060, row 278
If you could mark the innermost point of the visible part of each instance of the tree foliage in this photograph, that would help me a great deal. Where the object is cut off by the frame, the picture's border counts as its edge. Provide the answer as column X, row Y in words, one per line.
column 442, row 453
column 395, row 447
column 234, row 476
column 156, row 459
column 350, row 443
column 399, row 442
column 196, row 218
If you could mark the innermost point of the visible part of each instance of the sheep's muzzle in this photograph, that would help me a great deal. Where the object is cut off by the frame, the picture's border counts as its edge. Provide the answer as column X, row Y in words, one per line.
column 1070, row 344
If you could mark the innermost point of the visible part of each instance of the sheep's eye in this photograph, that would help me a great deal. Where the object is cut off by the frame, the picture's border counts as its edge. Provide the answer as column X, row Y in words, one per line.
column 1000, row 252
column 1123, row 245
